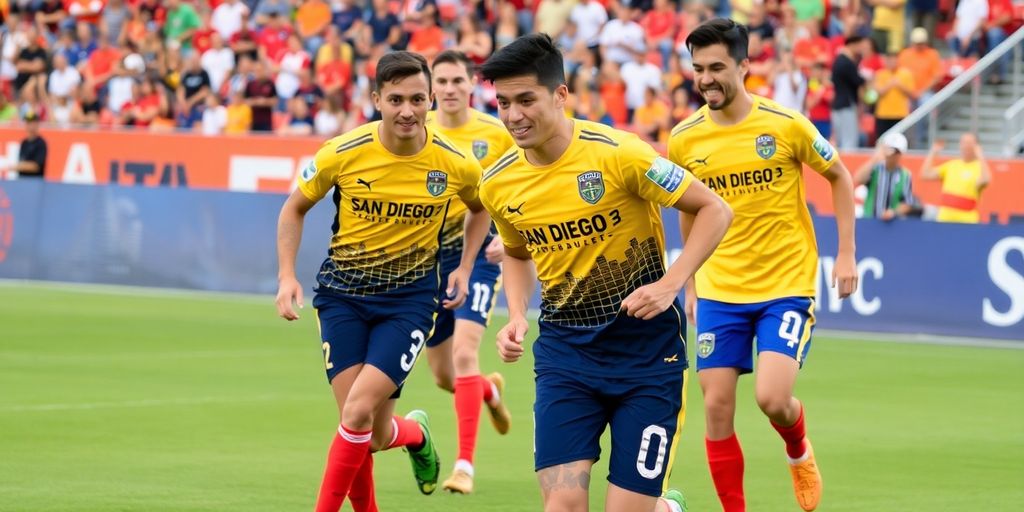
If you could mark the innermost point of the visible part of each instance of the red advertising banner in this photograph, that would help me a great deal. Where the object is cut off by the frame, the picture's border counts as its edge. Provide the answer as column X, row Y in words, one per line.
column 269, row 163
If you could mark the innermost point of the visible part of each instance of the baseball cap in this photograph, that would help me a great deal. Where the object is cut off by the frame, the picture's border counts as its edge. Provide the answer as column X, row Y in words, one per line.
column 895, row 141
column 918, row 35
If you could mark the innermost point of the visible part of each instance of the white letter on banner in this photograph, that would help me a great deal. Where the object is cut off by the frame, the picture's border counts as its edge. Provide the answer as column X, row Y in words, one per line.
column 245, row 172
column 860, row 305
column 1008, row 280
column 78, row 167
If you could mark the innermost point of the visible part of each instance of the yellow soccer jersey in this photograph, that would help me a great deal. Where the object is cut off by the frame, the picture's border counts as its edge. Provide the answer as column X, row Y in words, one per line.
column 591, row 221
column 485, row 138
column 769, row 251
column 390, row 208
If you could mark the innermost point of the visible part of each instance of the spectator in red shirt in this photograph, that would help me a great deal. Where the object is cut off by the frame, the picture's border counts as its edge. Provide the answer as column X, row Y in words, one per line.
column 261, row 96
column 244, row 42
column 273, row 38
column 660, row 25
column 145, row 104
column 998, row 27
column 334, row 76
column 101, row 64
column 201, row 37
column 85, row 10
column 819, row 99
column 429, row 39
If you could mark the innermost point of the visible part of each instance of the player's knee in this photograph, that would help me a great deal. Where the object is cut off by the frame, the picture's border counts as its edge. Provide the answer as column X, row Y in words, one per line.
column 465, row 358
column 772, row 404
column 357, row 415
column 719, row 408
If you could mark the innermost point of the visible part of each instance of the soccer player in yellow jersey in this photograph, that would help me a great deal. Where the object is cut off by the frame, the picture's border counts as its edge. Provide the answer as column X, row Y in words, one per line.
column 963, row 180
column 760, row 282
column 392, row 182
column 578, row 206
column 457, row 368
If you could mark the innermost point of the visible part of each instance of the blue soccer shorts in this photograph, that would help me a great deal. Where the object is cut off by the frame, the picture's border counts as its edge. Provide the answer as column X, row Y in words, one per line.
column 386, row 332
column 484, row 283
column 726, row 332
column 645, row 415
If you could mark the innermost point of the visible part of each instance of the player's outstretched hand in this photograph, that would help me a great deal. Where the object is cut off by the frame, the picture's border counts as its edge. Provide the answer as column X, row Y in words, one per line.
column 510, row 339
column 495, row 251
column 845, row 275
column 289, row 291
column 458, row 287
column 690, row 307
column 650, row 300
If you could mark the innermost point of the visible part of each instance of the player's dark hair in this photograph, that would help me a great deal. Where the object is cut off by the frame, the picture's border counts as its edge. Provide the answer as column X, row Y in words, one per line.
column 854, row 39
column 531, row 55
column 722, row 31
column 454, row 57
column 395, row 66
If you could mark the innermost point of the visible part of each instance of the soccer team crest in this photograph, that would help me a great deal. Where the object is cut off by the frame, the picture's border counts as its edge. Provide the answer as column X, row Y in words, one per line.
column 705, row 344
column 437, row 182
column 479, row 149
column 765, row 145
column 591, row 186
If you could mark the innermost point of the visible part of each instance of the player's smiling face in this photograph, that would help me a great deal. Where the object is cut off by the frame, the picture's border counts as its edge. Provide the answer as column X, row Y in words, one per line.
column 717, row 77
column 452, row 85
column 403, row 105
column 530, row 111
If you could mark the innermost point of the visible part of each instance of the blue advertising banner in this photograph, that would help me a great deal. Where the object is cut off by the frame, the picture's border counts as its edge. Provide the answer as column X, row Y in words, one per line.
column 916, row 277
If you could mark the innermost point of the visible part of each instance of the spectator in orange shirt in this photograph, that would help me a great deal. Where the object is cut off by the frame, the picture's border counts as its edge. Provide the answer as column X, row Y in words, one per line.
column 101, row 64
column 895, row 87
column 429, row 39
column 651, row 119
column 925, row 65
column 311, row 18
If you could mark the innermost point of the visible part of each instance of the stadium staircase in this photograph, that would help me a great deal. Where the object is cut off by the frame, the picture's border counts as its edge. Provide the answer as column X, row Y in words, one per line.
column 970, row 103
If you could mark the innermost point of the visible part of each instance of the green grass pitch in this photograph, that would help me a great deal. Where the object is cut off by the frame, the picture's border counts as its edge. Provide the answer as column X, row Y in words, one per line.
column 115, row 401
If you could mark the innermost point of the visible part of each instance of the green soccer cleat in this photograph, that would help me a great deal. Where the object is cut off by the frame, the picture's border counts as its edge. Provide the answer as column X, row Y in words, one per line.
column 675, row 496
column 426, row 465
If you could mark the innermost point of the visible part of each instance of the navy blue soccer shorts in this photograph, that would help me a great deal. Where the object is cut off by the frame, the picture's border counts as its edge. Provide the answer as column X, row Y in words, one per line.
column 645, row 415
column 726, row 332
column 386, row 332
column 484, row 283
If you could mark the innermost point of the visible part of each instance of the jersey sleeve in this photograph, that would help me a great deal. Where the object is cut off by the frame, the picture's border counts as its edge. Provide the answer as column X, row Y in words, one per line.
column 508, row 233
column 320, row 175
column 471, row 173
column 651, row 176
column 809, row 147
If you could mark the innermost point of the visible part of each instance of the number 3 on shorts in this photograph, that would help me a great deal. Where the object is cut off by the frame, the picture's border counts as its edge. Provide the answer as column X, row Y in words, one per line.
column 409, row 358
column 645, row 445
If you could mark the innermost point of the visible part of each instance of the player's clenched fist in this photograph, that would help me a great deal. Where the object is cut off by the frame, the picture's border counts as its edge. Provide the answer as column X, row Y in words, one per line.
column 510, row 339
column 650, row 300
column 288, row 290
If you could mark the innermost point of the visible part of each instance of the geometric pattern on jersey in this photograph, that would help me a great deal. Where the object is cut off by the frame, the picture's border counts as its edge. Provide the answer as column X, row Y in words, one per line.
column 596, row 299
column 355, row 271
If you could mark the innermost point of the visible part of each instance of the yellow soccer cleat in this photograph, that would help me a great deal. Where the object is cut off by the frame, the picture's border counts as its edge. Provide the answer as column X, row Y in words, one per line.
column 460, row 482
column 806, row 480
column 501, row 418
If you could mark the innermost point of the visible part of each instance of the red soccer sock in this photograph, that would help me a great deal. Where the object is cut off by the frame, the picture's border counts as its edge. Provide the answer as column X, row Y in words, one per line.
column 348, row 451
column 405, row 433
column 468, row 394
column 725, row 458
column 794, row 436
column 361, row 494
column 487, row 388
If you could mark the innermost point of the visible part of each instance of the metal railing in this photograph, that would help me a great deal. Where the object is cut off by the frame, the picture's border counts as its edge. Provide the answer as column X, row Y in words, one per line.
column 929, row 109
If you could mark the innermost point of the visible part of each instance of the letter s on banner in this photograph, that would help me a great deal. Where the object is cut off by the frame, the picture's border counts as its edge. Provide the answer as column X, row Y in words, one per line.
column 1008, row 280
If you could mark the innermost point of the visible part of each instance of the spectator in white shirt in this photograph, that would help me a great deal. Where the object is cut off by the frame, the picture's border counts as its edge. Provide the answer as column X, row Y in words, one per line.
column 64, row 79
column 639, row 75
column 228, row 18
column 968, row 29
column 790, row 85
column 622, row 36
column 218, row 62
column 589, row 16
column 215, row 116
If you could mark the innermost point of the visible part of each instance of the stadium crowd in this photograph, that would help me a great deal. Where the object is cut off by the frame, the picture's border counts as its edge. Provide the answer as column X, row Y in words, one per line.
column 305, row 66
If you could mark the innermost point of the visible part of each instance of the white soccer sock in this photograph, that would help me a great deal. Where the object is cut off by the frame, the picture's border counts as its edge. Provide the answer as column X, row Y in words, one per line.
column 465, row 466
column 673, row 506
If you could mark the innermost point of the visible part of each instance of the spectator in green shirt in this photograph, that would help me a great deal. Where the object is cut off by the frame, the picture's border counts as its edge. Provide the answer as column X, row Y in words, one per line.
column 182, row 22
